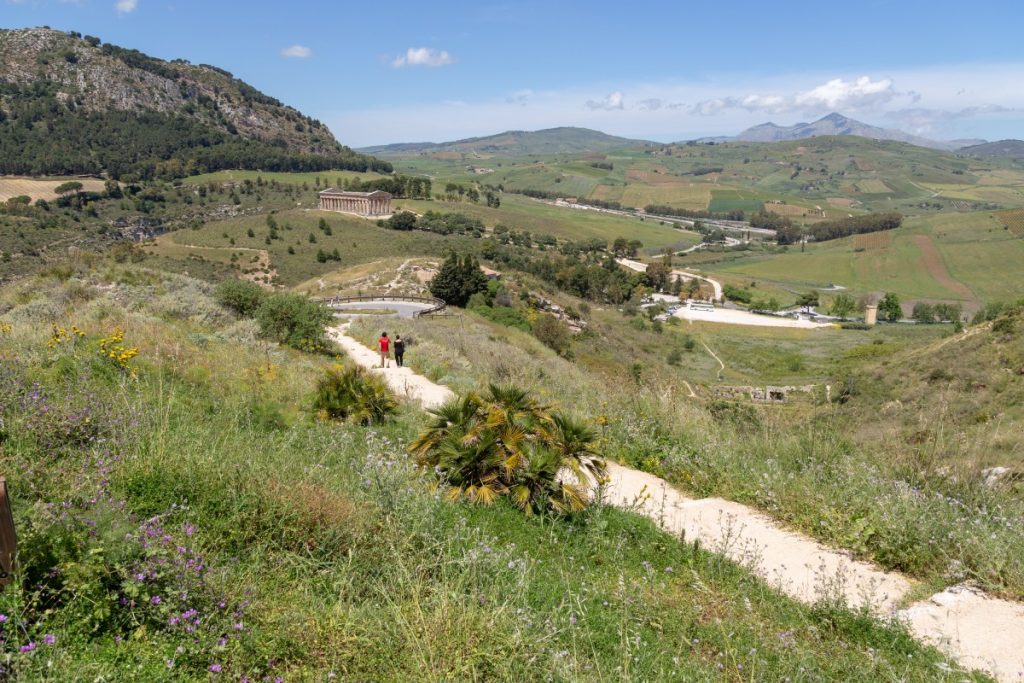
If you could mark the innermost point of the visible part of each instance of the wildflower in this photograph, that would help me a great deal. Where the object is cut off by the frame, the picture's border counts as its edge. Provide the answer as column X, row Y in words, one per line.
column 3, row 618
column 49, row 639
column 216, row 668
column 28, row 648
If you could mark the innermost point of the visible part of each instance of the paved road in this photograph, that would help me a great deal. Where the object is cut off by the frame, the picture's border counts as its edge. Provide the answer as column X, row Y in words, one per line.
column 642, row 267
column 403, row 309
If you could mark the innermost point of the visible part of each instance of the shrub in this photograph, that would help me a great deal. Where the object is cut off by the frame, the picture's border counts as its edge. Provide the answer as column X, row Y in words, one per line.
column 294, row 320
column 354, row 394
column 241, row 296
column 504, row 443
column 552, row 333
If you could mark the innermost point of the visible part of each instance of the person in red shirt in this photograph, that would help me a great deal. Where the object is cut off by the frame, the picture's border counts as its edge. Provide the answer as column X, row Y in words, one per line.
column 385, row 345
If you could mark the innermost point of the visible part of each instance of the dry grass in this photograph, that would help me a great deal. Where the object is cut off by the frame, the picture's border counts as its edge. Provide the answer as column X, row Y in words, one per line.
column 42, row 188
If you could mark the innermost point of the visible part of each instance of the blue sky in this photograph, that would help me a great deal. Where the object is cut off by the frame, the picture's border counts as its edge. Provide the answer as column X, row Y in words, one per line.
column 439, row 70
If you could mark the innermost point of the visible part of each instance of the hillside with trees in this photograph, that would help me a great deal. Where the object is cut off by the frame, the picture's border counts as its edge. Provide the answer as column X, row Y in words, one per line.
column 71, row 104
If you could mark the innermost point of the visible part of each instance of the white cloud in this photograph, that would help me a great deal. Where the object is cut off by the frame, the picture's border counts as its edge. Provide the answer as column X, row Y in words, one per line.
column 611, row 102
column 520, row 97
column 840, row 94
column 126, row 6
column 923, row 121
column 297, row 52
column 953, row 101
column 835, row 94
column 422, row 56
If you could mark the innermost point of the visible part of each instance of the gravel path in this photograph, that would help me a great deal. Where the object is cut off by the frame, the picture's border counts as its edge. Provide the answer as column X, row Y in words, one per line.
column 979, row 631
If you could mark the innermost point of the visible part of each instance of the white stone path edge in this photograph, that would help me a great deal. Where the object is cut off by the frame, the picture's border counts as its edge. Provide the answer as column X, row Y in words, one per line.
column 979, row 631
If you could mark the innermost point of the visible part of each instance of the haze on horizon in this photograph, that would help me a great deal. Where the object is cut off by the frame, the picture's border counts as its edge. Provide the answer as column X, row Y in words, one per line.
column 653, row 70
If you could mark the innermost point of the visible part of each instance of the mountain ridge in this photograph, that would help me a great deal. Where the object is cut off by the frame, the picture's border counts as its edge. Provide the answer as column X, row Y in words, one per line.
column 56, row 84
column 999, row 148
column 560, row 139
column 836, row 124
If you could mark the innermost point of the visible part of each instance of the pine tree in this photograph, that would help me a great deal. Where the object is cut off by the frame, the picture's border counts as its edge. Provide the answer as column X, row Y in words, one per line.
column 447, row 284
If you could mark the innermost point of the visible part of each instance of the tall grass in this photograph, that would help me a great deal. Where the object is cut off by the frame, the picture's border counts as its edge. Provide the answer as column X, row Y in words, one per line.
column 325, row 554
column 874, row 501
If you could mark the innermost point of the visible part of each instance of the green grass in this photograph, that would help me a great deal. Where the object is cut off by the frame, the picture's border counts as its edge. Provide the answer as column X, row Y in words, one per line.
column 327, row 178
column 735, row 200
column 803, row 463
column 324, row 551
column 522, row 213
column 358, row 241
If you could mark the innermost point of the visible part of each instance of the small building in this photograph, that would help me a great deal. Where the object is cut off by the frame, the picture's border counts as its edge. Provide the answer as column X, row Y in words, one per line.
column 376, row 203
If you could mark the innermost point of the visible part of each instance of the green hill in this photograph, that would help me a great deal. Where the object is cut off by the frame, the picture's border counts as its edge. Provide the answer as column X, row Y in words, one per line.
column 564, row 140
column 1002, row 148
column 185, row 514
column 71, row 104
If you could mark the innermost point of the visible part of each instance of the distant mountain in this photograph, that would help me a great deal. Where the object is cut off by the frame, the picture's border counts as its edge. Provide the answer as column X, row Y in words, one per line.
column 565, row 140
column 1002, row 148
column 834, row 124
column 73, row 104
column 965, row 142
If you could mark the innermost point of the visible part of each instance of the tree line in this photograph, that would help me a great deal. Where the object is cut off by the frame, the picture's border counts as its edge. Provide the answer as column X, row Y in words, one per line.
column 855, row 225
column 453, row 223
column 401, row 186
column 666, row 210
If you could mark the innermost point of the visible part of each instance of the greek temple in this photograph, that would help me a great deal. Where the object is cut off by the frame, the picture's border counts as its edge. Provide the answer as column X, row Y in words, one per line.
column 376, row 203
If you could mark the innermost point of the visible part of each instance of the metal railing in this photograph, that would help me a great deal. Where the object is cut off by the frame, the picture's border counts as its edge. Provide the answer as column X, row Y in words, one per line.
column 436, row 305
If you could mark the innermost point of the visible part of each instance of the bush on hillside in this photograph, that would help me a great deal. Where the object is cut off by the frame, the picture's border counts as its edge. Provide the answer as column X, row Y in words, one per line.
column 354, row 394
column 505, row 443
column 552, row 333
column 294, row 320
column 241, row 296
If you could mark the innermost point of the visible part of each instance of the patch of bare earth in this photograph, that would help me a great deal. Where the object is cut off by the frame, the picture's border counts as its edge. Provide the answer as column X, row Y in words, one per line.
column 935, row 266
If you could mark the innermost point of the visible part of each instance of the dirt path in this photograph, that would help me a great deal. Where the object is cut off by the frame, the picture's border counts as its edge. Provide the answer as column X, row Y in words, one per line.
column 935, row 265
column 714, row 355
column 979, row 631
column 398, row 275
column 403, row 381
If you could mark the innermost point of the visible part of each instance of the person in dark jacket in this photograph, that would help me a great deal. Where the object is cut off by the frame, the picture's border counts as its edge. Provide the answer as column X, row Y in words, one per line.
column 399, row 351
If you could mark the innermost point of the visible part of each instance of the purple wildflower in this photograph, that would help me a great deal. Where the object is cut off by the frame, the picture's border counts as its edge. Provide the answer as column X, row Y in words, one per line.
column 28, row 648
column 215, row 668
column 3, row 618
column 155, row 599
column 49, row 639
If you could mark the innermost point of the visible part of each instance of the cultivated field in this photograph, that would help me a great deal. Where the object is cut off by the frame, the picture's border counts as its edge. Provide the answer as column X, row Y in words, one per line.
column 1013, row 220
column 41, row 188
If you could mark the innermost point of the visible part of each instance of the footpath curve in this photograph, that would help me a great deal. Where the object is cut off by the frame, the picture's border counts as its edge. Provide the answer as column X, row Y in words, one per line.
column 641, row 267
column 979, row 631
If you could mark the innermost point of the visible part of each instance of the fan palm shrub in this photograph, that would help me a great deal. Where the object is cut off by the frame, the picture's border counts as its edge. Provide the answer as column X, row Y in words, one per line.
column 354, row 394
column 503, row 442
